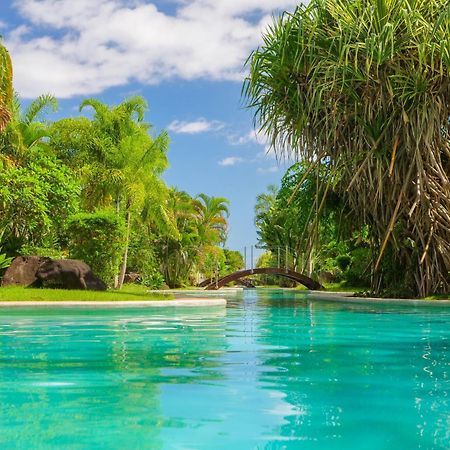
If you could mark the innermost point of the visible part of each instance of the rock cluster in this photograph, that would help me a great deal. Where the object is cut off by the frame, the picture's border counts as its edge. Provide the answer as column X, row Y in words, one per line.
column 36, row 271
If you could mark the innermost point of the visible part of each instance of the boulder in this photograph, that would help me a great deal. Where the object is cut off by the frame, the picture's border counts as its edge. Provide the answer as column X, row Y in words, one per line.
column 68, row 274
column 327, row 277
column 22, row 271
column 132, row 277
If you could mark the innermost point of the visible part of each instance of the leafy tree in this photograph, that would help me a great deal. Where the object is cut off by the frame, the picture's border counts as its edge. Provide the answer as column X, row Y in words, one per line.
column 98, row 239
column 363, row 86
column 201, row 225
column 27, row 129
column 178, row 251
column 35, row 200
column 234, row 261
column 296, row 218
column 212, row 213
column 121, row 162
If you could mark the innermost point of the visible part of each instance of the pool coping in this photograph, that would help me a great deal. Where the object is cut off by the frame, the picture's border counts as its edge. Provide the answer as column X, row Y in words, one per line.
column 346, row 297
column 178, row 303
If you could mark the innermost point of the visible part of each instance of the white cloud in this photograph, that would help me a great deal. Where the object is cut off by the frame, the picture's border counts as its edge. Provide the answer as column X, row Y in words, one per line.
column 195, row 127
column 248, row 138
column 272, row 169
column 231, row 161
column 251, row 137
column 84, row 47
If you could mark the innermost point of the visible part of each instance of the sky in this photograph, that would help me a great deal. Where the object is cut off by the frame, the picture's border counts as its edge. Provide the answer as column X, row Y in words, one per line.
column 185, row 57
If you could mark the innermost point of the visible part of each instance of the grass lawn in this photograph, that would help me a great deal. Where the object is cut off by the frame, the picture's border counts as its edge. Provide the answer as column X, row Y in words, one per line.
column 128, row 293
column 337, row 287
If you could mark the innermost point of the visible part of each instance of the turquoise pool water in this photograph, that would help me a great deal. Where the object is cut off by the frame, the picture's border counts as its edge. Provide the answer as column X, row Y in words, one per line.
column 273, row 371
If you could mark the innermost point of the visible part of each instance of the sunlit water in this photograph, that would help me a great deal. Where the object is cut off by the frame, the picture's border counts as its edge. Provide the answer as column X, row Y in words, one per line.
column 273, row 371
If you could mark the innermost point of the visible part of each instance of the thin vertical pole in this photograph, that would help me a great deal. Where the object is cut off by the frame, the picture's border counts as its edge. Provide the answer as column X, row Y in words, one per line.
column 245, row 257
column 251, row 258
column 287, row 258
column 217, row 276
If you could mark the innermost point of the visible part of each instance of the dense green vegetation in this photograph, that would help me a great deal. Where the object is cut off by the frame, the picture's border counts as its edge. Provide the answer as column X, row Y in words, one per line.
column 309, row 232
column 359, row 91
column 91, row 188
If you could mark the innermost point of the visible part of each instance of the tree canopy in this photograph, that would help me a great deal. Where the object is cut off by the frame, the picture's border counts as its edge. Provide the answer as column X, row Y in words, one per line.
column 365, row 87
column 92, row 188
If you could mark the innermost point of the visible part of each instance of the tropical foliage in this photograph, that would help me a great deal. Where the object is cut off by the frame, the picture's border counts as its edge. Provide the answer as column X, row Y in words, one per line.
column 92, row 188
column 98, row 239
column 362, row 86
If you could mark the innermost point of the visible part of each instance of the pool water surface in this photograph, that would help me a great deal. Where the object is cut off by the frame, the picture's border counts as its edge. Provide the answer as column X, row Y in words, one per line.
column 272, row 371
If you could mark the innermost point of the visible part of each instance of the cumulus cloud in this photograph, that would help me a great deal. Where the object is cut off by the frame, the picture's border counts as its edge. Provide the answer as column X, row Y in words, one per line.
column 195, row 127
column 83, row 47
column 231, row 161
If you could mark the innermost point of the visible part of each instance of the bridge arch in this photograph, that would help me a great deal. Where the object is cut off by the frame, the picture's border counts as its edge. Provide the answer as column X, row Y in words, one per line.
column 286, row 273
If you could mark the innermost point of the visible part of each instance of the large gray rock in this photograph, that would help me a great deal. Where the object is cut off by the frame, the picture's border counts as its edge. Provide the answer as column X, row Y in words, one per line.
column 22, row 271
column 69, row 274
column 35, row 271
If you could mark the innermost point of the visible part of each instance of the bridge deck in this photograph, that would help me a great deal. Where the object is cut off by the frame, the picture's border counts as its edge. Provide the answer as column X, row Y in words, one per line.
column 286, row 273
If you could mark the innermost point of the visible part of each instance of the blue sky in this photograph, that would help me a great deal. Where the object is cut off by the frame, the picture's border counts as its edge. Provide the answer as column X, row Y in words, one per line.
column 184, row 56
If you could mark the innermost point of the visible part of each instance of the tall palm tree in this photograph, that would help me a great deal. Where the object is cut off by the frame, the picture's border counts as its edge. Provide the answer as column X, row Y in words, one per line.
column 212, row 213
column 178, row 251
column 26, row 131
column 126, row 163
column 365, row 86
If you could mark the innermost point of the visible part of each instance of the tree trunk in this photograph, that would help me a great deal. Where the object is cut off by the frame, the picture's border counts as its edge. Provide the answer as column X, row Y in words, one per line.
column 123, row 268
column 116, row 277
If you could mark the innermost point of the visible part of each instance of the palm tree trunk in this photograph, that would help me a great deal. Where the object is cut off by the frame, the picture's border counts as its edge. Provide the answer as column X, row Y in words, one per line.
column 123, row 268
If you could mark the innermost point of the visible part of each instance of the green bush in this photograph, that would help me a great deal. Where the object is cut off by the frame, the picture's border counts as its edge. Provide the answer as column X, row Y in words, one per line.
column 98, row 239
column 5, row 262
column 142, row 257
column 359, row 270
column 45, row 252
column 153, row 279
column 343, row 262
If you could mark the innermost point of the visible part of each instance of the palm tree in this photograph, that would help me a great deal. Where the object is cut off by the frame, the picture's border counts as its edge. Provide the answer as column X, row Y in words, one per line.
column 126, row 164
column 364, row 86
column 212, row 213
column 6, row 90
column 27, row 129
column 178, row 251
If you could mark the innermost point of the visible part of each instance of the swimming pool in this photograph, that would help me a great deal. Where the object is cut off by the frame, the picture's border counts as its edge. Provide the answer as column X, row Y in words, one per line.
column 273, row 370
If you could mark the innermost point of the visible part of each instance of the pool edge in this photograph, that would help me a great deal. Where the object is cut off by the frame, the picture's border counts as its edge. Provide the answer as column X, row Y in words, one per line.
column 347, row 298
column 180, row 302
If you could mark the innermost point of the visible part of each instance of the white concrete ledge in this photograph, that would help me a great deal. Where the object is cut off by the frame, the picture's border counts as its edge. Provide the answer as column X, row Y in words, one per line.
column 178, row 303
column 346, row 297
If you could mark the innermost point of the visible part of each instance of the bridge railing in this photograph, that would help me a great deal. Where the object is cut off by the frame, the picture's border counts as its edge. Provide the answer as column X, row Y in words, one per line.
column 285, row 257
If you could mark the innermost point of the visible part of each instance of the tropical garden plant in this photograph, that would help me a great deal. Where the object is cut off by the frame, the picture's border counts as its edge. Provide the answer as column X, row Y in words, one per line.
column 92, row 188
column 364, row 86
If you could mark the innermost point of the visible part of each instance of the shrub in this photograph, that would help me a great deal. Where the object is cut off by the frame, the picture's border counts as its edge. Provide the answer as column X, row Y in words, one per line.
column 343, row 261
column 359, row 270
column 153, row 279
column 142, row 257
column 98, row 239
column 45, row 252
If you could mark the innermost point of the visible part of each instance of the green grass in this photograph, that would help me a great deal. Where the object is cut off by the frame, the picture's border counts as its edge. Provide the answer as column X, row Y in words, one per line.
column 128, row 293
column 438, row 297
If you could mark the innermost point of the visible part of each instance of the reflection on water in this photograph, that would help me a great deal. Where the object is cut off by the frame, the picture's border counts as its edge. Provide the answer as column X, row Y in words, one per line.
column 274, row 370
